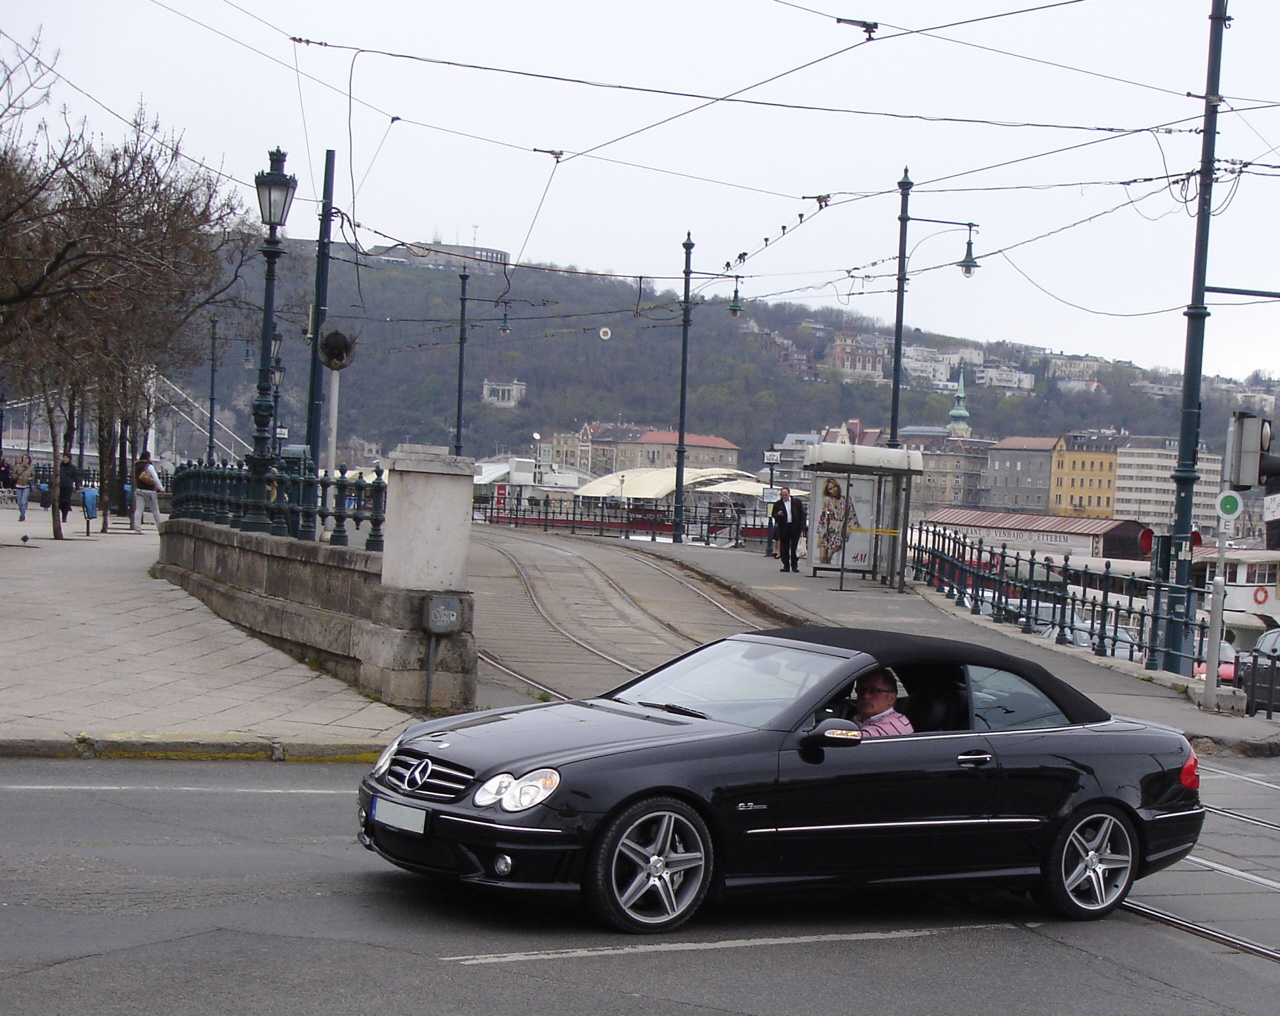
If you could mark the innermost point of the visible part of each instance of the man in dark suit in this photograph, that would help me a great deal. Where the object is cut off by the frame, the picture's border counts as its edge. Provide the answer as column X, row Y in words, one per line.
column 789, row 524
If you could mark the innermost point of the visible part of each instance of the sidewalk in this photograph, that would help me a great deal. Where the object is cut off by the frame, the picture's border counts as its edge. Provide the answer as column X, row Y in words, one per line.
column 103, row 661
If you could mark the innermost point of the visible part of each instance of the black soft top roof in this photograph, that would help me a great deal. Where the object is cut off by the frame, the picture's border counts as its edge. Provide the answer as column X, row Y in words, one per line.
column 895, row 649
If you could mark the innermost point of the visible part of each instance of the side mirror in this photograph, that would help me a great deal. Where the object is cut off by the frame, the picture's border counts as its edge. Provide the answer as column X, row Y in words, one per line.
column 832, row 733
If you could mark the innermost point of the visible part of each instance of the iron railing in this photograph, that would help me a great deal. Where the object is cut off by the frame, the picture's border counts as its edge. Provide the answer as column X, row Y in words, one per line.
column 1259, row 679
column 718, row 525
column 1124, row 616
column 299, row 500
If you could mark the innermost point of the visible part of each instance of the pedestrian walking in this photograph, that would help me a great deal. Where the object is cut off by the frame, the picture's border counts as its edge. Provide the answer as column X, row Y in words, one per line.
column 146, row 485
column 6, row 473
column 24, row 475
column 790, row 523
column 68, row 482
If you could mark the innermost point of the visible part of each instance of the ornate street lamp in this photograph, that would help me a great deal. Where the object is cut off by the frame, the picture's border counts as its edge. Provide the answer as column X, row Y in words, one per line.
column 275, row 195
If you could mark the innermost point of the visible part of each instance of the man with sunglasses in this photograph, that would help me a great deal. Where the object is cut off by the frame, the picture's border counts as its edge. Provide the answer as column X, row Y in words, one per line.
column 876, row 695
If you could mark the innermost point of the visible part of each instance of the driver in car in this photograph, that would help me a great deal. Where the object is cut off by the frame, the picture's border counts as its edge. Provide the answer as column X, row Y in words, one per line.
column 876, row 694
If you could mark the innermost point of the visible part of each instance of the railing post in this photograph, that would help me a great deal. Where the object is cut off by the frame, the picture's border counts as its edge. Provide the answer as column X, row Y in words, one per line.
column 338, row 538
column 374, row 541
column 1100, row 624
column 307, row 488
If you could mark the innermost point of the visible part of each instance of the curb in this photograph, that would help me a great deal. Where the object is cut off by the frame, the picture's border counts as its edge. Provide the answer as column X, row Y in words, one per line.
column 192, row 747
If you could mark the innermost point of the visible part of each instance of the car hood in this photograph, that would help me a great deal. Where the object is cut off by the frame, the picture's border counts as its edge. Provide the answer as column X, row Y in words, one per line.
column 556, row 733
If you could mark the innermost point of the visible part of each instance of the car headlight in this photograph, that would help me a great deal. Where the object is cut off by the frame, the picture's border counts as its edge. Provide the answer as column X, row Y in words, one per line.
column 517, row 795
column 384, row 760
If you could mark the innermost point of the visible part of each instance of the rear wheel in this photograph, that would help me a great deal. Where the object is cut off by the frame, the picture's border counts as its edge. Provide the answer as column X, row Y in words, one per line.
column 1090, row 866
column 651, row 868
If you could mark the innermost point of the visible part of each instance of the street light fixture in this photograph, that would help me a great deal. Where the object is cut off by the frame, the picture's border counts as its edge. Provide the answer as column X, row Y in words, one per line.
column 275, row 195
column 735, row 305
column 967, row 265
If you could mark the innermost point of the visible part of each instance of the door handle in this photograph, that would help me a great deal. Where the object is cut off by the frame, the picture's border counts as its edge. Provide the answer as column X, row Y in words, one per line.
column 971, row 759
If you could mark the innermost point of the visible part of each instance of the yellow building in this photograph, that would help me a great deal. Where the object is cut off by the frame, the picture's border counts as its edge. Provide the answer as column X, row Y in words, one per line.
column 1083, row 478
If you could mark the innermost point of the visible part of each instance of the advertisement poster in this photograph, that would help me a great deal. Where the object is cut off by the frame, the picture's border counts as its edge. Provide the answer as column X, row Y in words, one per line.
column 841, row 522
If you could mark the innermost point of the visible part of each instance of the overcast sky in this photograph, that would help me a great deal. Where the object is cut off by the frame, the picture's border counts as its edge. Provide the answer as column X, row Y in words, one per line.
column 1028, row 123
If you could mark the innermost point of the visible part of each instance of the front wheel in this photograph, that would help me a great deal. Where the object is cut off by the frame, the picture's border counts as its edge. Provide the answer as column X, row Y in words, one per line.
column 651, row 867
column 1090, row 866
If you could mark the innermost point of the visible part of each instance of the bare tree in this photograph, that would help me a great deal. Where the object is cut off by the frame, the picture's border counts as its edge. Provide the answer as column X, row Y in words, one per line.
column 108, row 253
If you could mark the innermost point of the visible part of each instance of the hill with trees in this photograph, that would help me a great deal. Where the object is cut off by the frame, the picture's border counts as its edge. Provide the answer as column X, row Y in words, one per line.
column 402, row 386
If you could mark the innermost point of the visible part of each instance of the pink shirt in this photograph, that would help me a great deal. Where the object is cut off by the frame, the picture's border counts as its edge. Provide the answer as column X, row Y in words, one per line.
column 888, row 722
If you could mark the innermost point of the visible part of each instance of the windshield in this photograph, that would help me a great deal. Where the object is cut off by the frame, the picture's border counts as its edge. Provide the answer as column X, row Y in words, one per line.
column 737, row 682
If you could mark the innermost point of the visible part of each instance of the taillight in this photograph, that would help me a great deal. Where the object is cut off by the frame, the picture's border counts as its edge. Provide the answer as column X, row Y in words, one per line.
column 1190, row 775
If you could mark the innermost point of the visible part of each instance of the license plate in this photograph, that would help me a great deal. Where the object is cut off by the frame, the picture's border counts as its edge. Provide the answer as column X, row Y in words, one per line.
column 399, row 816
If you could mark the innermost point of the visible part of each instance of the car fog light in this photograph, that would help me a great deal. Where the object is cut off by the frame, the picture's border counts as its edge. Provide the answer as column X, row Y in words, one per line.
column 502, row 865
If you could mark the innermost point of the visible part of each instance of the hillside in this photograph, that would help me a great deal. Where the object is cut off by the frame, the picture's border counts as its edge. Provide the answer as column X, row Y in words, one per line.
column 402, row 385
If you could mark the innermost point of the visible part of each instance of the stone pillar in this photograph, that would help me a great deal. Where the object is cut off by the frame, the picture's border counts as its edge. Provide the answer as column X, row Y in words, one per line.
column 428, row 530
column 428, row 519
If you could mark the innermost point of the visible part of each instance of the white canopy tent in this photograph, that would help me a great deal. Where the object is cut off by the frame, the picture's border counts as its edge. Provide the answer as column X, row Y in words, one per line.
column 655, row 484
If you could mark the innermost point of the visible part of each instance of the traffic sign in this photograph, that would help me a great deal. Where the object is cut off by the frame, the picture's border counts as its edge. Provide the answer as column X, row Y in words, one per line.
column 1229, row 504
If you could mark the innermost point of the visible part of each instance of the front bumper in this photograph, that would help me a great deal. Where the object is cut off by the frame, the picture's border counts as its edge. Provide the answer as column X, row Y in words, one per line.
column 458, row 843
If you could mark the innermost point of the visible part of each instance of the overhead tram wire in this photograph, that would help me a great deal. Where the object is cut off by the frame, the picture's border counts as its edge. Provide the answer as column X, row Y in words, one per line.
column 585, row 154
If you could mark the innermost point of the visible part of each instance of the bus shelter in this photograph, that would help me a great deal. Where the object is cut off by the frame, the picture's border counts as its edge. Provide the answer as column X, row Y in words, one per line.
column 860, row 496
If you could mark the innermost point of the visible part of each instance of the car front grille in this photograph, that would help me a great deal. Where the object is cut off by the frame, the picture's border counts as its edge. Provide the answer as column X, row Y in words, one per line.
column 418, row 774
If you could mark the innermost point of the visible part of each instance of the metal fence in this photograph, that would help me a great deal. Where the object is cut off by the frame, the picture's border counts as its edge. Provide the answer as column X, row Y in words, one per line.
column 716, row 525
column 299, row 501
column 1131, row 617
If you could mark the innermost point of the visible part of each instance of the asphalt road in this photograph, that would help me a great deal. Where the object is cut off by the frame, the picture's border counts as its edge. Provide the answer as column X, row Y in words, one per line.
column 199, row 888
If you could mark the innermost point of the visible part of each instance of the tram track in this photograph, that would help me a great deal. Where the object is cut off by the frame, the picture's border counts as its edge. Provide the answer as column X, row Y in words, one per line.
column 546, row 609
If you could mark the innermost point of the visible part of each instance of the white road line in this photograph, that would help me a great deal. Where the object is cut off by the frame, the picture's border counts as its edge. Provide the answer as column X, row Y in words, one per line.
column 738, row 943
column 117, row 787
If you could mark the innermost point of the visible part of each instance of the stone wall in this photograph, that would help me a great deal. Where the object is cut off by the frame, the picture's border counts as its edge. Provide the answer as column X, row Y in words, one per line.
column 329, row 605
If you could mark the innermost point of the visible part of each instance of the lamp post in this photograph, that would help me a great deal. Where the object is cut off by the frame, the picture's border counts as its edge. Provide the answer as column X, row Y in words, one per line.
column 677, row 516
column 462, row 355
column 967, row 266
column 275, row 195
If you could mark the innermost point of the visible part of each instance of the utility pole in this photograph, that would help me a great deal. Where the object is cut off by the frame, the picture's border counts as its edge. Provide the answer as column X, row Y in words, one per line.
column 315, row 385
column 213, row 377
column 677, row 516
column 1184, row 474
column 462, row 356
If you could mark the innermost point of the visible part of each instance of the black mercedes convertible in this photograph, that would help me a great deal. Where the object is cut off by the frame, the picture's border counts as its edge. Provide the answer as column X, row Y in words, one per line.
column 743, row 765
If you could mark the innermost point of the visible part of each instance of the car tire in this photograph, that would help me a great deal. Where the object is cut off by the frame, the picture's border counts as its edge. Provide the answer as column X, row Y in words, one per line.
column 651, row 867
column 1090, row 866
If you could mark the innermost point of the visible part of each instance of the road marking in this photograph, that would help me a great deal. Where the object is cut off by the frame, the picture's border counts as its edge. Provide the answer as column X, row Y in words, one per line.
column 735, row 943
column 119, row 787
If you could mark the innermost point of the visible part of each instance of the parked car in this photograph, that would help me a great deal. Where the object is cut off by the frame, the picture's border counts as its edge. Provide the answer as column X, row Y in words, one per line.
column 1226, row 664
column 740, row 765
column 1258, row 672
column 1116, row 641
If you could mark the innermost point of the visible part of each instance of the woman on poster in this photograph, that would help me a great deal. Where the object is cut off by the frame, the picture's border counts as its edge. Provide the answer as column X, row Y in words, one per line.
column 832, row 524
